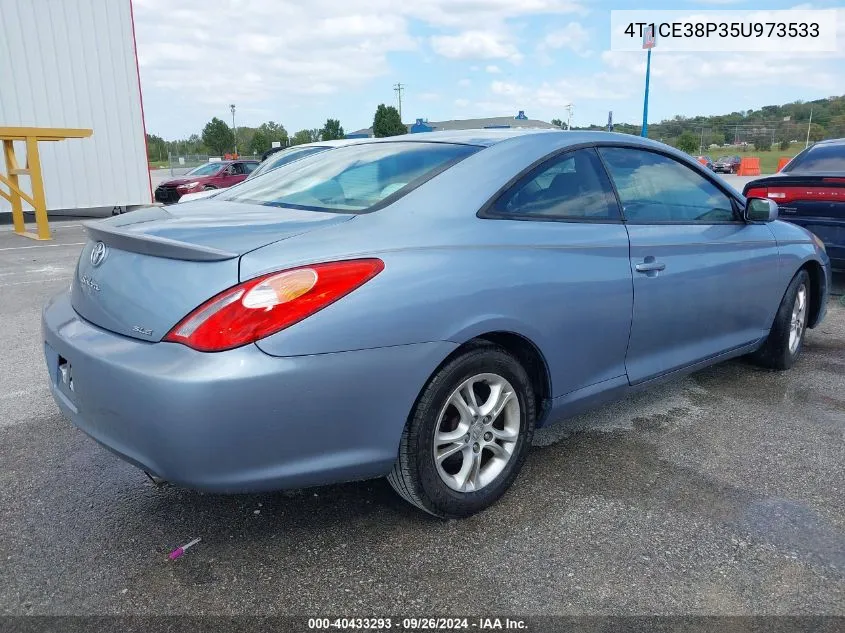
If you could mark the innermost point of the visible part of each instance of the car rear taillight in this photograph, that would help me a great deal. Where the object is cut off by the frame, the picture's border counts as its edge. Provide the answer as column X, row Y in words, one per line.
column 265, row 305
column 784, row 195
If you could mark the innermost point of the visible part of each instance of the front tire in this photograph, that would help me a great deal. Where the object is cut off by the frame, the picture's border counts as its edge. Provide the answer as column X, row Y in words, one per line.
column 468, row 435
column 786, row 338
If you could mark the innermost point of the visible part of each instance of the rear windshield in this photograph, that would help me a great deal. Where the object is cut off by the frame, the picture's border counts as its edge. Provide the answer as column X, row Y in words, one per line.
column 820, row 158
column 351, row 179
column 274, row 161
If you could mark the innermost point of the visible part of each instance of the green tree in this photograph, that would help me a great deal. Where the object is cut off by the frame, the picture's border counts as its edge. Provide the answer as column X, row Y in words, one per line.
column 332, row 130
column 687, row 142
column 717, row 138
column 156, row 147
column 387, row 122
column 259, row 144
column 245, row 136
column 817, row 132
column 763, row 143
column 784, row 144
column 266, row 134
column 557, row 122
column 218, row 137
column 305, row 136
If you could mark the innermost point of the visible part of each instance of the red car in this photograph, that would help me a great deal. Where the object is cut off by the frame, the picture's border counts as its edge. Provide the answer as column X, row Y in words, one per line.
column 218, row 175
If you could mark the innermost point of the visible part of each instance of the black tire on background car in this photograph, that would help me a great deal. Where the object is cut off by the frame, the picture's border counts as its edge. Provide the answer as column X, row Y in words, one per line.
column 208, row 187
column 786, row 337
column 468, row 434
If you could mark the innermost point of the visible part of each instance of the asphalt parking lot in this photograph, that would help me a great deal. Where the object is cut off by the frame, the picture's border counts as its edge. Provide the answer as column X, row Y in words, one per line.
column 720, row 494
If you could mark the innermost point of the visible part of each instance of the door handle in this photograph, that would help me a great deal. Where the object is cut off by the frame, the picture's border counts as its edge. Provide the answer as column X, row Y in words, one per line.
column 647, row 267
column 650, row 266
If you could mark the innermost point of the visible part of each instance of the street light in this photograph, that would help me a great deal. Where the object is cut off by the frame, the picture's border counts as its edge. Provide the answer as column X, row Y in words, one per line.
column 232, row 108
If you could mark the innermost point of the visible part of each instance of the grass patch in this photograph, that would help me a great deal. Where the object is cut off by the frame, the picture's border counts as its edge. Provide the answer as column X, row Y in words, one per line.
column 768, row 160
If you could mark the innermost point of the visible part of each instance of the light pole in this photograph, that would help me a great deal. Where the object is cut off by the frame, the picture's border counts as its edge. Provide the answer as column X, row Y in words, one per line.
column 232, row 108
column 568, row 107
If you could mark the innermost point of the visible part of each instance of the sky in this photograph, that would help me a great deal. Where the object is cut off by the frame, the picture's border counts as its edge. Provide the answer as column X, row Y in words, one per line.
column 301, row 62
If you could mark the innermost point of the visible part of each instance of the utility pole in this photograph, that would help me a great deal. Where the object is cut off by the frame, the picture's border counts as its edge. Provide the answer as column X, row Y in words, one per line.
column 809, row 125
column 398, row 88
column 569, row 107
column 235, row 129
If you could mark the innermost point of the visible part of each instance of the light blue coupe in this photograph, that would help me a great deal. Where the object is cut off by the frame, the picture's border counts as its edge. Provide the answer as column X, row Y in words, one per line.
column 414, row 307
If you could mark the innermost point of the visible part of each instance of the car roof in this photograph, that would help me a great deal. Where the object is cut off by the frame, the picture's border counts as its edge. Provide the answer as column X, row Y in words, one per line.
column 488, row 137
column 832, row 141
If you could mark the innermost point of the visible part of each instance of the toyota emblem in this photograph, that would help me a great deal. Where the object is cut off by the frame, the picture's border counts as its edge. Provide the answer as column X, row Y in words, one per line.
column 98, row 253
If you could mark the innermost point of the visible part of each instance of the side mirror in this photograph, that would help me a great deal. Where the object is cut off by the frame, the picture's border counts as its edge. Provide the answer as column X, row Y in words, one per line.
column 761, row 210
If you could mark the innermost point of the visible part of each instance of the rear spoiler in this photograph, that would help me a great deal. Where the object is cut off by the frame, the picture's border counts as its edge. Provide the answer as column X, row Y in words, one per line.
column 154, row 246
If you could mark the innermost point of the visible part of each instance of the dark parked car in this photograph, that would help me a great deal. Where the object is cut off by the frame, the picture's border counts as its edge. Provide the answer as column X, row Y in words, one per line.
column 810, row 191
column 727, row 165
column 219, row 175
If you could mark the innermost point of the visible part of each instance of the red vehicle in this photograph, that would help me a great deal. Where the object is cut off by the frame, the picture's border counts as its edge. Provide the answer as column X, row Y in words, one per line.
column 218, row 175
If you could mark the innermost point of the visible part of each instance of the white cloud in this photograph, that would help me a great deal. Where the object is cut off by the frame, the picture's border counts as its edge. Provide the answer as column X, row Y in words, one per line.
column 429, row 96
column 572, row 36
column 462, row 103
column 290, row 49
column 493, row 69
column 459, row 13
column 475, row 45
column 506, row 88
column 682, row 72
column 556, row 94
column 465, row 83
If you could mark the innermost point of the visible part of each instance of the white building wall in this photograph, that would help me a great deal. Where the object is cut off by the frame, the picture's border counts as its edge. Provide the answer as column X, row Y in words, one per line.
column 72, row 63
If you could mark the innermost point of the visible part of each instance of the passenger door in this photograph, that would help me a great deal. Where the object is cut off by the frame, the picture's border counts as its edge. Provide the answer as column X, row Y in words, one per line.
column 705, row 281
column 569, row 276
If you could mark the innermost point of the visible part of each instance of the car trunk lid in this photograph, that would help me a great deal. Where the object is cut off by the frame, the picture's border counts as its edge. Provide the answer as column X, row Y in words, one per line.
column 141, row 272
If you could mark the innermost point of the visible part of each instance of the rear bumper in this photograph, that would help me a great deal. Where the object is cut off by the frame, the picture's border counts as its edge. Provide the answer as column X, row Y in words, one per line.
column 239, row 420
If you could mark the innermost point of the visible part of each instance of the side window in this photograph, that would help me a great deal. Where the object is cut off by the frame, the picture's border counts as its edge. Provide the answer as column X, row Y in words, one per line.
column 654, row 188
column 572, row 186
column 249, row 167
column 238, row 169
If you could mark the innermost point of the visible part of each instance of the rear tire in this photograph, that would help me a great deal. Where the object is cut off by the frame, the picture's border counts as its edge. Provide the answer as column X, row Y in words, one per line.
column 786, row 338
column 456, row 460
column 209, row 188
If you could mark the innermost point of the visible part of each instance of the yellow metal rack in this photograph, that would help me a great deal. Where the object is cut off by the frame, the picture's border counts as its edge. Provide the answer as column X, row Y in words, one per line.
column 31, row 136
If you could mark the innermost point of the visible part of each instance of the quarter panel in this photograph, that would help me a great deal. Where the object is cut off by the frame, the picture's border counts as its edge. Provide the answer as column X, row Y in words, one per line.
column 565, row 286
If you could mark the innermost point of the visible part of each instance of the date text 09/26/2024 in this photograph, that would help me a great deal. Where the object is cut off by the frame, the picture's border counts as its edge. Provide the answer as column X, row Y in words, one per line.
column 418, row 624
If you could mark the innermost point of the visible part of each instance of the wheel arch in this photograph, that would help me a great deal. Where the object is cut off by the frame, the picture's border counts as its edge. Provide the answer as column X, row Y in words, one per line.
column 817, row 288
column 525, row 350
